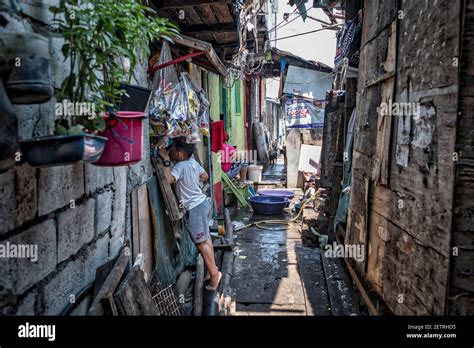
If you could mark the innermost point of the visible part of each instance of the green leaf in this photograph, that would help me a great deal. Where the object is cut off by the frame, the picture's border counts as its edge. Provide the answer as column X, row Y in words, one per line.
column 65, row 50
column 54, row 9
column 100, row 33
column 99, row 124
column 78, row 129
column 60, row 130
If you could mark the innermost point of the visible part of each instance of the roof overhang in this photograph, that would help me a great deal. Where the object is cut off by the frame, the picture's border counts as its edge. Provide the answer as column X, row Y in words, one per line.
column 209, row 60
column 279, row 56
column 184, row 45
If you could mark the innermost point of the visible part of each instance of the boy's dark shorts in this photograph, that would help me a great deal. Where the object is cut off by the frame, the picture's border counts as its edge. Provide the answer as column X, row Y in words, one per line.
column 198, row 223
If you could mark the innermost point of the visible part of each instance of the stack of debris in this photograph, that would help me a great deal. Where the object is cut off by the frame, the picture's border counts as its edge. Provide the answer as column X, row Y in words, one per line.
column 119, row 290
column 123, row 290
column 315, row 223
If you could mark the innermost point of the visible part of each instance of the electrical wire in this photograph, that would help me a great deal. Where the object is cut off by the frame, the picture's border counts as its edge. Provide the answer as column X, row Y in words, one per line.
column 308, row 32
column 311, row 82
column 276, row 26
column 239, row 67
column 294, row 19
column 288, row 22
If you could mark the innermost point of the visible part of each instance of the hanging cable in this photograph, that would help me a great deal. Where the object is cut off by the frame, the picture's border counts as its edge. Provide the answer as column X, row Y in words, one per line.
column 313, row 81
column 276, row 26
column 308, row 32
column 294, row 19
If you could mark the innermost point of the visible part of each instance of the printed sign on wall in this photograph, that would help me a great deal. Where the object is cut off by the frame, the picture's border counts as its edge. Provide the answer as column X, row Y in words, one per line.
column 302, row 113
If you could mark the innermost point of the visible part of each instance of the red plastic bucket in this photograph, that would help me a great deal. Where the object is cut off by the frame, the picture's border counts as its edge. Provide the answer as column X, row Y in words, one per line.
column 125, row 139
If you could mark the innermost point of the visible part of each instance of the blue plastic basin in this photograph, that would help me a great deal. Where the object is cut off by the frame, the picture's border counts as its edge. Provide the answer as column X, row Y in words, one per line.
column 268, row 205
column 277, row 193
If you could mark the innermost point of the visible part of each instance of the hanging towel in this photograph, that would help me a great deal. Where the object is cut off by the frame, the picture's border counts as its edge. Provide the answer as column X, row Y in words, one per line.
column 218, row 135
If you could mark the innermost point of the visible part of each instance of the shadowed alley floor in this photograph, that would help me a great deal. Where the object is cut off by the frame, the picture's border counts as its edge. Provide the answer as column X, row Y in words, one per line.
column 274, row 274
column 268, row 272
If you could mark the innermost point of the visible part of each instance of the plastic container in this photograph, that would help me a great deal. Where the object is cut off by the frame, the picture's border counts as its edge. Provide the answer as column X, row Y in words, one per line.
column 255, row 173
column 25, row 67
column 61, row 150
column 268, row 205
column 277, row 193
column 9, row 141
column 125, row 139
column 137, row 99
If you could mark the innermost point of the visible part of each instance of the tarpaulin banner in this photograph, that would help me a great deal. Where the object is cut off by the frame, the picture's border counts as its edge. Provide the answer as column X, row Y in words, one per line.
column 302, row 113
column 348, row 44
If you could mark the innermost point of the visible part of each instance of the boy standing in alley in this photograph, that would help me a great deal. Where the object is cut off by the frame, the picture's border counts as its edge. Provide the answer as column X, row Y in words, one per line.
column 188, row 175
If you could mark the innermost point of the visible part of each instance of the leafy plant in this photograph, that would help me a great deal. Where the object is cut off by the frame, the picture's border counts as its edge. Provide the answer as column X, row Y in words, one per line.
column 99, row 35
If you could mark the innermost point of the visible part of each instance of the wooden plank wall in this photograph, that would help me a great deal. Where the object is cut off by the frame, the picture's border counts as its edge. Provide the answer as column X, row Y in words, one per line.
column 333, row 139
column 325, row 172
column 333, row 124
column 461, row 292
column 337, row 169
column 402, row 181
column 142, row 232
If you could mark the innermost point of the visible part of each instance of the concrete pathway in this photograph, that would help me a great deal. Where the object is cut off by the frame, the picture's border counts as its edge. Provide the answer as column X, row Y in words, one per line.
column 274, row 274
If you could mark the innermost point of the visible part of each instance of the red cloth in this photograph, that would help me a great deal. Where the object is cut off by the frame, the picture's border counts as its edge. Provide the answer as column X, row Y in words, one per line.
column 227, row 153
column 218, row 135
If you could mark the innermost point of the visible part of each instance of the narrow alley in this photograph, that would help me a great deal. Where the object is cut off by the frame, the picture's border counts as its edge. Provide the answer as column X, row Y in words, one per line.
column 201, row 158
column 290, row 279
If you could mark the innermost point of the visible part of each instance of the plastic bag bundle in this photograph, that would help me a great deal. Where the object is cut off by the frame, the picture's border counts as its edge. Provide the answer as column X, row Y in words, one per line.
column 166, row 79
column 193, row 108
column 193, row 103
column 167, row 89
column 203, row 119
column 179, row 108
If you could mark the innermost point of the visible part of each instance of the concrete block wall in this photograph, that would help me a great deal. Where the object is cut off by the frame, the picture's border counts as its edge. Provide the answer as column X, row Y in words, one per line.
column 78, row 215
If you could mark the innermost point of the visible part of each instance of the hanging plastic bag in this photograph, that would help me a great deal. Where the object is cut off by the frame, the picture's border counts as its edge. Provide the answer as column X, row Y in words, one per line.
column 203, row 119
column 166, row 89
column 193, row 135
column 193, row 108
column 179, row 107
column 166, row 79
column 191, row 97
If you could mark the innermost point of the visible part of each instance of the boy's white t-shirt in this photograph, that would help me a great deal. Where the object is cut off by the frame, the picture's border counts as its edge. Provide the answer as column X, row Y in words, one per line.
column 187, row 175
